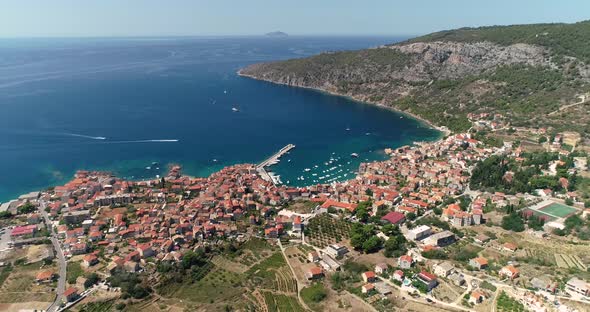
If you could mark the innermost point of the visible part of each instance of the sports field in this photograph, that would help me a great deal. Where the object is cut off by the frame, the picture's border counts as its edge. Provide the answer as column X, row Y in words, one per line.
column 557, row 209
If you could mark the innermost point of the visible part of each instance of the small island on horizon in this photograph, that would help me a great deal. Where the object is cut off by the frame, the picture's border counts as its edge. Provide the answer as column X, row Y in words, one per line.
column 277, row 34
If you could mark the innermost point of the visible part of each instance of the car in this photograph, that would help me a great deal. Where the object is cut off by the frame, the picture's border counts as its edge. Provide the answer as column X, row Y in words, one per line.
column 429, row 300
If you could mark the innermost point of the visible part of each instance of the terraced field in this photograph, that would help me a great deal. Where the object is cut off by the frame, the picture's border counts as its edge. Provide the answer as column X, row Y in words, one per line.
column 569, row 261
column 283, row 303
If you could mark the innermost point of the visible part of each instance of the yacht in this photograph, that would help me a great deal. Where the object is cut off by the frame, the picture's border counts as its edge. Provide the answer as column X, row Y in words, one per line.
column 354, row 155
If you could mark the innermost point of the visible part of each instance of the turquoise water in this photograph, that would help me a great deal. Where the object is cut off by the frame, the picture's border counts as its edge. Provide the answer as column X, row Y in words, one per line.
column 124, row 104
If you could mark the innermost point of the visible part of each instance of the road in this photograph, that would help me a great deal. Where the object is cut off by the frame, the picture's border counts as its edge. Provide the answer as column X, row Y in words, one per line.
column 61, row 281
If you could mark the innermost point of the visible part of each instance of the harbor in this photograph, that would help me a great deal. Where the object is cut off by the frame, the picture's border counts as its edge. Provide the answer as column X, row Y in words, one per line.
column 272, row 160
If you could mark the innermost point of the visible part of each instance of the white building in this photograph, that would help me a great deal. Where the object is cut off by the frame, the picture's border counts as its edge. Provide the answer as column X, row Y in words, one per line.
column 578, row 286
column 419, row 233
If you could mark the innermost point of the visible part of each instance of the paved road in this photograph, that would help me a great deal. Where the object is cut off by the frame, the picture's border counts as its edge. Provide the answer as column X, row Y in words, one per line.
column 61, row 282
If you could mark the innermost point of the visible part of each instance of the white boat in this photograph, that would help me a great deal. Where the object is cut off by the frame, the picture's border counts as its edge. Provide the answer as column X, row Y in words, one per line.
column 148, row 168
column 214, row 160
column 354, row 155
column 235, row 109
column 288, row 160
column 306, row 169
column 347, row 129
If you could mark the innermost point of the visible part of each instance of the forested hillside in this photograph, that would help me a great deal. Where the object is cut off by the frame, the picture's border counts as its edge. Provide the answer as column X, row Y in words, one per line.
column 526, row 73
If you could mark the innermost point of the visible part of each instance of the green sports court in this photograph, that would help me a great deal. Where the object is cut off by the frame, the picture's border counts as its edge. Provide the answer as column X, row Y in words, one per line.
column 558, row 210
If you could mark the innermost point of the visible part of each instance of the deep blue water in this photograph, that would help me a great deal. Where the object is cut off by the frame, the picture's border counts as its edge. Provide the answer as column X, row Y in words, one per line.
column 60, row 97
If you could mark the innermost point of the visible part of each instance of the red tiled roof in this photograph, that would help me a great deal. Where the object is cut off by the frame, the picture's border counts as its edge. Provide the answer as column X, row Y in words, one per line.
column 394, row 217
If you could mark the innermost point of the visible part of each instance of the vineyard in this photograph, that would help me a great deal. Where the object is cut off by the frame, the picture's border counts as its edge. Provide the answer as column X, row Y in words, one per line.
column 569, row 261
column 283, row 303
column 324, row 230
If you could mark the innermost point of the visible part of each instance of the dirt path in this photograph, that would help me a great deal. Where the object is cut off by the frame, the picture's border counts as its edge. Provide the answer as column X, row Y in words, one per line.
column 583, row 99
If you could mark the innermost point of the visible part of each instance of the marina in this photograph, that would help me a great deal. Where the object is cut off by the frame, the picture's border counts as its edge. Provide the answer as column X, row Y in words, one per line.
column 272, row 160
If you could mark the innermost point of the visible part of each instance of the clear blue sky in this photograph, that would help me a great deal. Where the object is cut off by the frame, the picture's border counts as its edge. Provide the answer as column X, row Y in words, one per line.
column 47, row 18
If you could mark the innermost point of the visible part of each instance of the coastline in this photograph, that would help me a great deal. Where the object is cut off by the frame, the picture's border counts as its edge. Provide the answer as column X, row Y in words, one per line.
column 445, row 131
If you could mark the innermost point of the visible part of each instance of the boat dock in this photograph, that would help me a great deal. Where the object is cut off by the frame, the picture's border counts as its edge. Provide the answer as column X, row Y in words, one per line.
column 272, row 160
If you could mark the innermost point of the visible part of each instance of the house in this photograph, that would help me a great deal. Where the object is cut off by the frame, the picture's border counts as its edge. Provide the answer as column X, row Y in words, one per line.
column 578, row 286
column 146, row 251
column 90, row 260
column 405, row 262
column 313, row 256
column 428, row 279
column 443, row 269
column 338, row 205
column 398, row 275
column 476, row 297
column 23, row 230
column 479, row 263
column 481, row 239
column 367, row 288
column 314, row 273
column 79, row 248
column 271, row 232
column 368, row 277
column 394, row 217
column 336, row 251
column 297, row 224
column 509, row 247
column 457, row 278
column 509, row 271
column 440, row 239
column 71, row 294
column 45, row 276
column 420, row 232
column 131, row 266
column 381, row 268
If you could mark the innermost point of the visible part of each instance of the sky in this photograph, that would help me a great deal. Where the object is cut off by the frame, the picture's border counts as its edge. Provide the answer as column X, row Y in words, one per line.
column 105, row 18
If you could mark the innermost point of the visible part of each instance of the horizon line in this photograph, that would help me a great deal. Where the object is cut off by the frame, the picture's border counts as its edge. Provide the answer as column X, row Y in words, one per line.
column 202, row 36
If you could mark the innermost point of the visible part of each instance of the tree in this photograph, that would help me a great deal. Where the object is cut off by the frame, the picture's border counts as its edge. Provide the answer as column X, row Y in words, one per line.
column 91, row 280
column 26, row 208
column 569, row 201
column 395, row 246
column 513, row 222
column 372, row 244
column 5, row 214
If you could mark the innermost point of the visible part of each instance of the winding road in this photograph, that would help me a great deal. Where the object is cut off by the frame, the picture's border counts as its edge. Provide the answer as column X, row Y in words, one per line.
column 61, row 282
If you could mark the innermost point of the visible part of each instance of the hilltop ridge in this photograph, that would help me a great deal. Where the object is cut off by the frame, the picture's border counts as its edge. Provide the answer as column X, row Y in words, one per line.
column 523, row 72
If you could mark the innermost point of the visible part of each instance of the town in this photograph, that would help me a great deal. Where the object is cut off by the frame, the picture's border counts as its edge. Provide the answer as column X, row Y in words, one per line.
column 460, row 224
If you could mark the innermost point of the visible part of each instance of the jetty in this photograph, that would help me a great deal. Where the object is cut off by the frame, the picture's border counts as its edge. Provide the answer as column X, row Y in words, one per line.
column 273, row 160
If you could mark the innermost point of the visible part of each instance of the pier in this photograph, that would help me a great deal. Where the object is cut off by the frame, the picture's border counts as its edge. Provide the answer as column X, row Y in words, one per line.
column 272, row 160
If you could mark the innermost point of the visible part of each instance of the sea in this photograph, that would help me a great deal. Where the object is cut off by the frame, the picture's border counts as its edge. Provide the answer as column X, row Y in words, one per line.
column 133, row 106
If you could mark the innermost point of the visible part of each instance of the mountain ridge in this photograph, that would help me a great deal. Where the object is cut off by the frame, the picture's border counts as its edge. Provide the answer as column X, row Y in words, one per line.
column 441, row 77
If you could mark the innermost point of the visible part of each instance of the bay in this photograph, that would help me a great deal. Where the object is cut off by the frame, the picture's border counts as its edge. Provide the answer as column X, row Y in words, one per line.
column 135, row 105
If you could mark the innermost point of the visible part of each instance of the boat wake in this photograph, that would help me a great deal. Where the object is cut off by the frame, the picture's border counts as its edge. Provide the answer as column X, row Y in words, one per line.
column 85, row 136
column 145, row 141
